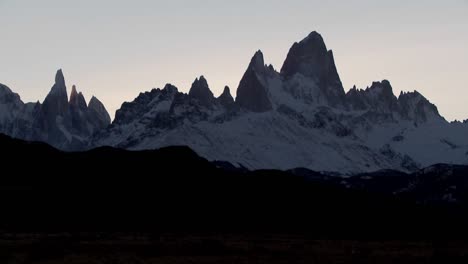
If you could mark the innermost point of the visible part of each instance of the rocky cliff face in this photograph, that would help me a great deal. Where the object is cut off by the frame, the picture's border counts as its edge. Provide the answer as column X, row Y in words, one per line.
column 309, row 59
column 201, row 92
column 252, row 93
column 225, row 99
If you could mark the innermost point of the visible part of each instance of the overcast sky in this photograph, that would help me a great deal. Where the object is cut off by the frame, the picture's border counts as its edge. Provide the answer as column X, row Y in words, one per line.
column 117, row 49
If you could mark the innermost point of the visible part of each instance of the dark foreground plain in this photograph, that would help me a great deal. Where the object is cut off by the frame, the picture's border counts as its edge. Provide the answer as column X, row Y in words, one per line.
column 138, row 248
column 172, row 206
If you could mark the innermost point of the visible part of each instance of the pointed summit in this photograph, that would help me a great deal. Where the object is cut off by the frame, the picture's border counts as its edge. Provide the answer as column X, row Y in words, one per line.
column 252, row 93
column 170, row 88
column 201, row 92
column 311, row 59
column 73, row 92
column 56, row 102
column 226, row 98
column 226, row 91
column 100, row 111
column 257, row 63
column 77, row 99
column 73, row 97
column 59, row 79
column 59, row 87
column 314, row 36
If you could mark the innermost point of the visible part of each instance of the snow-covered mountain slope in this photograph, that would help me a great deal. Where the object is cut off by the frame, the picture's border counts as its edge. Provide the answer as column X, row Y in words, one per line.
column 65, row 124
column 299, row 117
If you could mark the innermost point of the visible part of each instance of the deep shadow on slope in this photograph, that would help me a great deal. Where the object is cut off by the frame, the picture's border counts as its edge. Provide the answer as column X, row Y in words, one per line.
column 174, row 190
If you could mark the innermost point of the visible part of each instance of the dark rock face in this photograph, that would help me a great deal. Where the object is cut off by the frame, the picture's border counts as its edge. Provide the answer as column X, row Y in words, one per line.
column 225, row 99
column 56, row 102
column 355, row 99
column 77, row 99
column 83, row 122
column 87, row 120
column 414, row 106
column 252, row 93
column 379, row 98
column 311, row 58
column 200, row 91
column 7, row 96
column 13, row 114
column 99, row 113
column 383, row 92
column 55, row 113
column 130, row 111
column 77, row 109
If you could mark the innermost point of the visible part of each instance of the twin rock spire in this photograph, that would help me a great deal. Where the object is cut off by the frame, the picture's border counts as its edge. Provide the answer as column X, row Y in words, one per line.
column 201, row 92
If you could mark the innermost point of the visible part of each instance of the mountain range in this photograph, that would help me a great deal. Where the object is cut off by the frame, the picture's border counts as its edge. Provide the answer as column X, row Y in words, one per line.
column 64, row 123
column 297, row 117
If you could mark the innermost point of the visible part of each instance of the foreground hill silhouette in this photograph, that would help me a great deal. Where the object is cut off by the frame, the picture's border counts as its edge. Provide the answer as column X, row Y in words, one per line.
column 174, row 190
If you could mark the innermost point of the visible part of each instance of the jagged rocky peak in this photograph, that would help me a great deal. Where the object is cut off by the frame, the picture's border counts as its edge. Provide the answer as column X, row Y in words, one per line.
column 381, row 96
column 378, row 97
column 98, row 107
column 200, row 91
column 74, row 93
column 416, row 107
column 56, row 102
column 8, row 96
column 257, row 62
column 355, row 99
column 226, row 98
column 252, row 92
column 383, row 88
column 77, row 100
column 170, row 88
column 130, row 111
column 382, row 93
column 60, row 79
column 4, row 90
column 311, row 59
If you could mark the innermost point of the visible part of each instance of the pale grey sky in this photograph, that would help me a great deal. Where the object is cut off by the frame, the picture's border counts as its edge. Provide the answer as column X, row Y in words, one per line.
column 117, row 49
